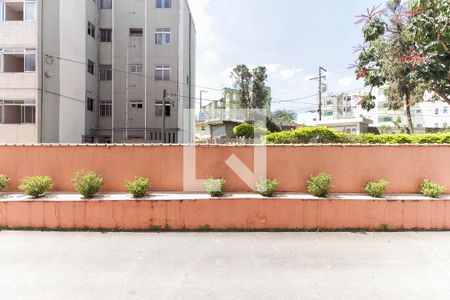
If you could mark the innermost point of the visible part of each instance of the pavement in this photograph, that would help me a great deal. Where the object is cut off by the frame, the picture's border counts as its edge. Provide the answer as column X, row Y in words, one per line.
column 79, row 265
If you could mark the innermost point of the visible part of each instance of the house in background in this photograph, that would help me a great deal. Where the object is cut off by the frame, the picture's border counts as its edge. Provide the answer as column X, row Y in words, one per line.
column 426, row 115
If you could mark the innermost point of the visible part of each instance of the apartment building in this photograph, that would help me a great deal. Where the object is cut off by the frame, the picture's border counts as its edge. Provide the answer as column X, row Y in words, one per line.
column 426, row 115
column 96, row 71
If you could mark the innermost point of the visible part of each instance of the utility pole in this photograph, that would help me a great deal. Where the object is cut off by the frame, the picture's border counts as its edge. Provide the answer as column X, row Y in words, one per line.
column 320, row 78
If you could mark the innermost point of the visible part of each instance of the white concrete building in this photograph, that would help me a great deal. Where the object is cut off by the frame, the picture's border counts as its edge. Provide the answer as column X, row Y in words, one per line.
column 426, row 115
column 96, row 71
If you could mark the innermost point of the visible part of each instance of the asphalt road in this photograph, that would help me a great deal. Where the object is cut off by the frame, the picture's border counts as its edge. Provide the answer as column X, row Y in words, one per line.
column 35, row 265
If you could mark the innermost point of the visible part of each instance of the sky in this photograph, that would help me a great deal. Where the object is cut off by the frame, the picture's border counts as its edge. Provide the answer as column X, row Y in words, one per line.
column 292, row 38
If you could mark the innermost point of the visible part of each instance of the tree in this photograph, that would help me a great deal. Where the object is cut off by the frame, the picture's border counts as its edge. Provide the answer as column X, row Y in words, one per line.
column 251, row 86
column 384, row 59
column 260, row 93
column 429, row 27
column 284, row 116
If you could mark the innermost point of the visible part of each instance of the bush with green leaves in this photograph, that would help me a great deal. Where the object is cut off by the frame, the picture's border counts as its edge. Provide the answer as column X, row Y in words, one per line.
column 4, row 182
column 267, row 187
column 431, row 189
column 376, row 189
column 249, row 131
column 88, row 185
column 139, row 187
column 319, row 185
column 311, row 135
column 215, row 186
column 36, row 186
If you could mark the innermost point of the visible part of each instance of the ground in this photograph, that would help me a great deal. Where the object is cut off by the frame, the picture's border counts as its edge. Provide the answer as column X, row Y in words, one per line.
column 58, row 265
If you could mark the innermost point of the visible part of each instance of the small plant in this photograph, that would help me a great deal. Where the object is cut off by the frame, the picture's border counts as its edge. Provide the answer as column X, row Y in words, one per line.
column 319, row 185
column 36, row 186
column 376, row 189
column 267, row 188
column 431, row 189
column 215, row 186
column 4, row 182
column 87, row 184
column 139, row 187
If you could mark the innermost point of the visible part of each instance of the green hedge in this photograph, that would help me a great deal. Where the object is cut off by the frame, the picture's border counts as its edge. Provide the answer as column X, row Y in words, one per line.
column 248, row 131
column 311, row 135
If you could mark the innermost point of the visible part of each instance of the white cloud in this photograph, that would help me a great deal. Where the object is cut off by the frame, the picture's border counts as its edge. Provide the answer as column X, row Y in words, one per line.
column 289, row 73
column 209, row 57
column 347, row 81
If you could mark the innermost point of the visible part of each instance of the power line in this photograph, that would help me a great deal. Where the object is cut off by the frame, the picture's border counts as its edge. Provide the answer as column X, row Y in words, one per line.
column 51, row 57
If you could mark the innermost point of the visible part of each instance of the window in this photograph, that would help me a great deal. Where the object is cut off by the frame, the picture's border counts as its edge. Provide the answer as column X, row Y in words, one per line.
column 30, row 10
column 105, row 108
column 105, row 4
column 445, row 125
column 162, row 73
column 90, row 104
column 30, row 61
column 2, row 13
column 91, row 67
column 91, row 30
column 17, row 112
column 445, row 110
column 383, row 119
column 136, row 31
column 436, row 111
column 159, row 109
column 329, row 102
column 105, row 35
column 383, row 105
column 137, row 104
column 328, row 113
column 436, row 125
column 163, row 3
column 105, row 72
column 17, row 60
column 419, row 111
column 162, row 36
column 136, row 69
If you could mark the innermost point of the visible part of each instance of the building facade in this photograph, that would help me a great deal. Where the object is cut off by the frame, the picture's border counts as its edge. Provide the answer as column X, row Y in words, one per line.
column 426, row 115
column 96, row 71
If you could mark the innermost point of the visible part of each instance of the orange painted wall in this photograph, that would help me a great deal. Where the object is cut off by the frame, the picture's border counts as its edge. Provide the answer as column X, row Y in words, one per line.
column 245, row 214
column 351, row 166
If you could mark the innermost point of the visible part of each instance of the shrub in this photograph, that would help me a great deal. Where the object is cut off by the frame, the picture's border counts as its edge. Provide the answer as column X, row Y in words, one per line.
column 215, row 186
column 139, row 187
column 309, row 135
column 319, row 185
column 267, row 188
column 431, row 189
column 87, row 184
column 4, row 182
column 248, row 131
column 376, row 189
column 325, row 135
column 36, row 186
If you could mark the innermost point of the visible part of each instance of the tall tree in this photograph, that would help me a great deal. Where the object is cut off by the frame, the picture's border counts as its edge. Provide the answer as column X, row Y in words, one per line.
column 251, row 86
column 260, row 93
column 382, row 59
column 429, row 27
column 242, row 82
